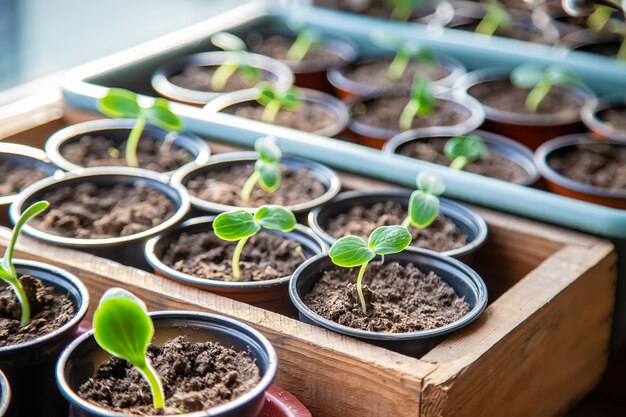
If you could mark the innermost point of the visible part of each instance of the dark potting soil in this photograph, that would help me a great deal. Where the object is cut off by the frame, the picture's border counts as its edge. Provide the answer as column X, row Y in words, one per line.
column 96, row 151
column 265, row 256
column 516, row 32
column 614, row 117
column 50, row 309
column 504, row 96
column 609, row 48
column 199, row 79
column 373, row 73
column 442, row 235
column 90, row 211
column 495, row 165
column 195, row 377
column 15, row 177
column 377, row 8
column 599, row 164
column 399, row 298
column 277, row 46
column 384, row 113
column 224, row 187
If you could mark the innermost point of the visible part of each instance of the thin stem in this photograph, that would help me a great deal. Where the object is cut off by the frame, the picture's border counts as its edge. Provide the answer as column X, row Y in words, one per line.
column 158, row 397
column 133, row 141
column 248, row 186
column 299, row 48
column 487, row 26
column 359, row 287
column 536, row 95
column 408, row 114
column 401, row 12
column 398, row 66
column 271, row 111
column 621, row 54
column 459, row 163
column 222, row 74
column 407, row 222
column 23, row 299
column 236, row 256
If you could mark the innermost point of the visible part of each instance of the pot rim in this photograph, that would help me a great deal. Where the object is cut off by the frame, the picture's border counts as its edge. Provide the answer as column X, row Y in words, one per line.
column 263, row 384
column 594, row 123
column 5, row 394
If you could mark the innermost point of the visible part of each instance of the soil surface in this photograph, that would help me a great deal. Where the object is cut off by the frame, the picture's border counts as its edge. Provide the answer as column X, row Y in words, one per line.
column 384, row 113
column 90, row 211
column 265, row 256
column 614, row 117
column 199, row 79
column 195, row 377
column 224, row 187
column 373, row 73
column 50, row 309
column 599, row 164
column 442, row 235
column 377, row 8
column 516, row 32
column 495, row 165
column 15, row 177
column 399, row 299
column 609, row 49
column 153, row 154
column 277, row 46
column 502, row 95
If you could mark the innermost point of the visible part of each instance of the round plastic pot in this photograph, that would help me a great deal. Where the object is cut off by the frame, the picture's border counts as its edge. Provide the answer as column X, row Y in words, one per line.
column 81, row 358
column 125, row 249
column 470, row 223
column 333, row 105
column 281, row 403
column 465, row 282
column 29, row 366
column 497, row 144
column 273, row 70
column 598, row 127
column 5, row 394
column 326, row 176
column 118, row 131
column 270, row 295
column 562, row 185
column 530, row 129
column 25, row 156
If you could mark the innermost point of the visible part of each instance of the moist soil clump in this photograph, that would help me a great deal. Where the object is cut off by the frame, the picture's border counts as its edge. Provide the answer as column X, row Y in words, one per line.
column 16, row 177
column 50, row 308
column 614, row 117
column 399, row 298
column 277, row 46
column 266, row 256
column 90, row 211
column 199, row 79
column 195, row 377
column 373, row 73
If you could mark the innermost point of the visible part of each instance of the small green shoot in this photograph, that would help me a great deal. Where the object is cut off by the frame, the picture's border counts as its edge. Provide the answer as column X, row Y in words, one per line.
column 600, row 17
column 424, row 202
column 464, row 149
column 403, row 9
column 241, row 225
column 305, row 39
column 421, row 103
column 351, row 251
column 7, row 269
column 405, row 52
column 120, row 103
column 123, row 328
column 238, row 63
column 496, row 19
column 274, row 99
column 266, row 168
column 540, row 81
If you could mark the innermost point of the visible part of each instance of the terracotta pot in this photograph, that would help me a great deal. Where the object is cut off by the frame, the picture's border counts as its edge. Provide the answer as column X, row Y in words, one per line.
column 281, row 403
column 598, row 127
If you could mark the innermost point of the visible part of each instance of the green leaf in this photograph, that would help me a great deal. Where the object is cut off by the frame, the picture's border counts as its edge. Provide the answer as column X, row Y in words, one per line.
column 267, row 92
column 235, row 225
column 118, row 103
column 290, row 99
column 350, row 251
column 161, row 115
column 423, row 208
column 471, row 147
column 389, row 239
column 228, row 42
column 269, row 175
column 422, row 93
column 527, row 76
column 430, row 183
column 275, row 218
column 561, row 76
column 268, row 149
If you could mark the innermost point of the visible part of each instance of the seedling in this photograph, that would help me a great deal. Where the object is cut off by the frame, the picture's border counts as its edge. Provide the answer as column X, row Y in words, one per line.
column 421, row 103
column 464, row 149
column 241, row 225
column 305, row 40
column 274, row 99
column 402, row 9
column 239, row 62
column 600, row 17
column 540, row 81
column 496, row 19
column 405, row 52
column 351, row 251
column 7, row 269
column 123, row 328
column 118, row 103
column 266, row 168
column 614, row 25
column 424, row 202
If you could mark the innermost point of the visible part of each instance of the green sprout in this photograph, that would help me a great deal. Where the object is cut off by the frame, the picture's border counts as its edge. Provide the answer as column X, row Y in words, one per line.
column 274, row 99
column 424, row 202
column 464, row 149
column 266, row 168
column 351, row 251
column 238, row 63
column 305, row 39
column 602, row 18
column 402, row 9
column 7, row 269
column 496, row 19
column 540, row 81
column 421, row 103
column 123, row 328
column 405, row 52
column 119, row 103
column 241, row 225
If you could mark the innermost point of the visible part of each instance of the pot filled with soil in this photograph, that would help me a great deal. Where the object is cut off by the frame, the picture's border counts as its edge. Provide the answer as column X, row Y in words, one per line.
column 584, row 168
column 606, row 118
column 109, row 212
column 5, row 394
column 432, row 12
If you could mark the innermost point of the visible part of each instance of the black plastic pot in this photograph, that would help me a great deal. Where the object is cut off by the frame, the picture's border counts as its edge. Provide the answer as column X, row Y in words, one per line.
column 466, row 220
column 497, row 144
column 591, row 115
column 118, row 131
column 127, row 249
column 273, row 70
column 465, row 281
column 328, row 177
column 5, row 394
column 29, row 367
column 271, row 294
column 81, row 359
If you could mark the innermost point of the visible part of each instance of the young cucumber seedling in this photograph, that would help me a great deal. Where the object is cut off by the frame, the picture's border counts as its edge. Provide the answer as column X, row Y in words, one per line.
column 496, row 18
column 241, row 225
column 238, row 63
column 266, row 168
column 603, row 19
column 424, row 202
column 463, row 149
column 421, row 103
column 351, row 251
column 405, row 52
column 7, row 270
column 123, row 328
column 273, row 99
column 118, row 103
column 402, row 9
column 305, row 39
column 540, row 81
